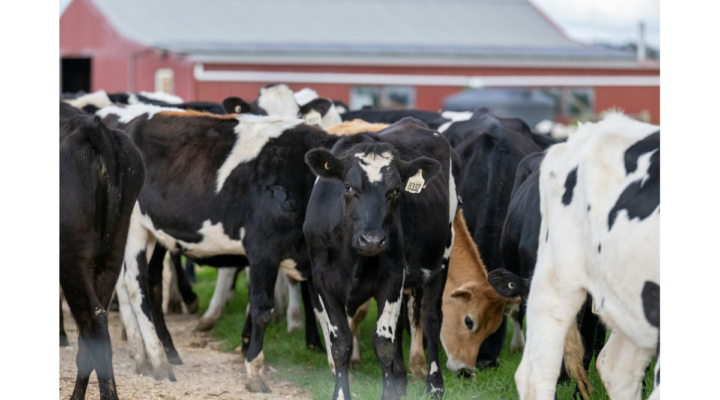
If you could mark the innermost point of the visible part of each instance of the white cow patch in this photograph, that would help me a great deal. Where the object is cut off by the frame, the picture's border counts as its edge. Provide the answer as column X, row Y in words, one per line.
column 433, row 368
column 130, row 112
column 426, row 274
column 389, row 316
column 454, row 116
column 98, row 99
column 372, row 164
column 132, row 99
column 162, row 96
column 253, row 133
column 331, row 118
column 331, row 329
column 288, row 267
column 305, row 96
column 453, row 209
column 278, row 101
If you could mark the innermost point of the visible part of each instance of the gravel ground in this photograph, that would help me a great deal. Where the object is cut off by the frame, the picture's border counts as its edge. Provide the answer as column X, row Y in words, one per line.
column 206, row 373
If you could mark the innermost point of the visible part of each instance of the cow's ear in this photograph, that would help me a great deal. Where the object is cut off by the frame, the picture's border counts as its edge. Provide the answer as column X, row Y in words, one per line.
column 507, row 284
column 429, row 168
column 236, row 105
column 323, row 163
column 465, row 292
column 320, row 105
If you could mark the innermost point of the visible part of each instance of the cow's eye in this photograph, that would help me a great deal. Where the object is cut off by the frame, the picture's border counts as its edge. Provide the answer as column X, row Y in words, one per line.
column 396, row 191
column 469, row 323
column 348, row 188
column 511, row 285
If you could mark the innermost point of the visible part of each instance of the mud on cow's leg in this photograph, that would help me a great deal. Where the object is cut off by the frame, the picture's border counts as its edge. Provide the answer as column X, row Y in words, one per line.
column 134, row 283
column 262, row 302
column 155, row 283
column 312, row 335
column 389, row 300
column 432, row 321
column 220, row 297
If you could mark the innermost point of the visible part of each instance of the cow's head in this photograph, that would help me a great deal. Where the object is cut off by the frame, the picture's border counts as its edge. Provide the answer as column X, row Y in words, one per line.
column 373, row 177
column 323, row 110
column 278, row 100
column 472, row 308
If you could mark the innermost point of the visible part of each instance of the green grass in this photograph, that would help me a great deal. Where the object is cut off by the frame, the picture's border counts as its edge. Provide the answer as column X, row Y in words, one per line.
column 287, row 353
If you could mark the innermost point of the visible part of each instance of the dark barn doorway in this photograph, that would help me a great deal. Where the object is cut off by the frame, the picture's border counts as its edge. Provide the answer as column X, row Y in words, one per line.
column 75, row 75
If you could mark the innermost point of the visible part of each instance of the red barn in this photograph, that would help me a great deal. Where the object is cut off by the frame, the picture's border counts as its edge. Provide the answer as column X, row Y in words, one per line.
column 399, row 53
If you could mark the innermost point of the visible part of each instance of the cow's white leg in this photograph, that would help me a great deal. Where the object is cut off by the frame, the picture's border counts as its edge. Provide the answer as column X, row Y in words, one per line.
column 294, row 311
column 518, row 338
column 280, row 295
column 140, row 245
column 132, row 330
column 621, row 365
column 354, row 323
column 553, row 303
column 418, row 364
column 323, row 320
column 220, row 297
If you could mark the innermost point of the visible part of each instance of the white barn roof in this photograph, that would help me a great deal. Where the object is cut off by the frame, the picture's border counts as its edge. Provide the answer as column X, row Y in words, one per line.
column 451, row 30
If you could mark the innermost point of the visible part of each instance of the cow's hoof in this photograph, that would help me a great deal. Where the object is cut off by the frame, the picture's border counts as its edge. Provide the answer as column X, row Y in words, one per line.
column 257, row 385
column 194, row 306
column 63, row 341
column 162, row 372
column 143, row 368
column 517, row 347
column 355, row 363
column 204, row 325
column 486, row 364
column 295, row 320
column 174, row 357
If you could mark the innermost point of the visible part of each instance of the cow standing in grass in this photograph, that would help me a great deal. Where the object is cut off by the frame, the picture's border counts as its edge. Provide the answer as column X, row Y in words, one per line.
column 599, row 234
column 377, row 225
column 101, row 174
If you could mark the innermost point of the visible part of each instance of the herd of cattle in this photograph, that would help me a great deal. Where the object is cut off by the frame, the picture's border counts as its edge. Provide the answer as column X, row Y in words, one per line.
column 450, row 219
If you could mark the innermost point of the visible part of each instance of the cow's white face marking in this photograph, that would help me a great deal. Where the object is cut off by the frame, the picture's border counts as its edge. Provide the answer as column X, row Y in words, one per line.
column 433, row 368
column 278, row 101
column 288, row 267
column 304, row 96
column 130, row 112
column 372, row 164
column 387, row 323
column 454, row 116
column 253, row 132
column 98, row 99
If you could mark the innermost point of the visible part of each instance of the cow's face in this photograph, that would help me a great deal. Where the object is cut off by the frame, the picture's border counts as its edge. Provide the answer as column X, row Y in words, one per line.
column 471, row 312
column 373, row 178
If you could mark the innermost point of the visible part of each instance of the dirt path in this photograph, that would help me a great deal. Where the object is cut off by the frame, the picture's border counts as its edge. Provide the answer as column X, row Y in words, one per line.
column 206, row 373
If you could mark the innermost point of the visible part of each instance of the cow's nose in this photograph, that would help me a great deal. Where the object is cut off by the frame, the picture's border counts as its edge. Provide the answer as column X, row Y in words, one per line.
column 372, row 243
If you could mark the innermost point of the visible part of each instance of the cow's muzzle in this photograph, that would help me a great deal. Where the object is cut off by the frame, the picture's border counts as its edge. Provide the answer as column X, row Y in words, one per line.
column 371, row 243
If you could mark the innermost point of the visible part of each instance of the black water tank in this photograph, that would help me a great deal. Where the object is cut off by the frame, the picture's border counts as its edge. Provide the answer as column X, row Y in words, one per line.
column 532, row 106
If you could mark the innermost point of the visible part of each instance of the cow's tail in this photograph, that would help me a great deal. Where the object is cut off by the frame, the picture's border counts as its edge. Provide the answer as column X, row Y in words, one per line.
column 574, row 352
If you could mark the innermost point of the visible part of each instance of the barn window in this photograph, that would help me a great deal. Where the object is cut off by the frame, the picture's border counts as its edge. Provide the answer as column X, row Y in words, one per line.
column 165, row 80
column 384, row 98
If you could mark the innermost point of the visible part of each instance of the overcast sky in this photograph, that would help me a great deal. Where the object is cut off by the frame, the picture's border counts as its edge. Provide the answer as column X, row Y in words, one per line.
column 613, row 21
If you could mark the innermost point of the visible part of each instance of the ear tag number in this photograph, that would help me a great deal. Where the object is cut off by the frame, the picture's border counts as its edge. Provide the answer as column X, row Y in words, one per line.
column 313, row 118
column 415, row 183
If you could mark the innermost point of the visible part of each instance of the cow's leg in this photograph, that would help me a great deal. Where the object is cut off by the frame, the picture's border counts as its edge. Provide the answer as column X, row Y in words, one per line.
column 190, row 270
column 312, row 336
column 132, row 329
column 621, row 366
column 262, row 303
column 221, row 295
column 399, row 372
column 354, row 322
column 389, row 301
column 155, row 270
column 189, row 297
column 321, row 314
column 280, row 293
column 294, row 311
column 63, row 336
column 588, row 329
column 340, row 342
column 134, row 281
column 418, row 365
column 432, row 322
column 518, row 338
column 491, row 347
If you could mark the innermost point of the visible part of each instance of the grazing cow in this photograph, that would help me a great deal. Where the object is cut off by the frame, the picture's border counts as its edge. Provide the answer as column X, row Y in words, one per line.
column 490, row 149
column 101, row 174
column 519, row 247
column 219, row 190
column 366, row 240
column 599, row 234
column 432, row 119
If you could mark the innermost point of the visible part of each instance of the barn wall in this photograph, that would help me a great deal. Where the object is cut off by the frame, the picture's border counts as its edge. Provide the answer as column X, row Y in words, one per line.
column 632, row 100
column 147, row 63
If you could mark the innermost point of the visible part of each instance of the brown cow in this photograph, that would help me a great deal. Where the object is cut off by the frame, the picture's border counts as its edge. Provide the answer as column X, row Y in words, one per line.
column 355, row 126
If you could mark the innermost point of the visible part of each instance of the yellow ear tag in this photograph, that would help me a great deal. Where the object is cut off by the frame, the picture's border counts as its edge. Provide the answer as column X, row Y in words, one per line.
column 415, row 183
column 313, row 118
column 237, row 109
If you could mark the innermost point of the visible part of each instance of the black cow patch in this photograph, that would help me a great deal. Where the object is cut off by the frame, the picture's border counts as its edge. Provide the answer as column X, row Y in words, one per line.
column 641, row 197
column 570, row 183
column 651, row 303
column 599, row 248
column 648, row 144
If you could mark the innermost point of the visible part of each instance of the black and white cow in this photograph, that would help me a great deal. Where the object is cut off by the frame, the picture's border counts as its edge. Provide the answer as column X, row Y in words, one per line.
column 490, row 149
column 379, row 221
column 519, row 248
column 218, row 189
column 132, row 98
column 101, row 174
column 599, row 234
column 432, row 119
